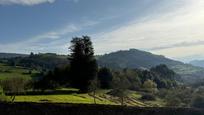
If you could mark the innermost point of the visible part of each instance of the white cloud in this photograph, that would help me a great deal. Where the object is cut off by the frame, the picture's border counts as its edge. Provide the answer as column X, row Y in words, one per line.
column 171, row 30
column 25, row 2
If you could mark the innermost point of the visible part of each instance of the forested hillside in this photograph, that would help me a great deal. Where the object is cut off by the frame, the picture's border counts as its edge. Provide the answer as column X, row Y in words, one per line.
column 134, row 58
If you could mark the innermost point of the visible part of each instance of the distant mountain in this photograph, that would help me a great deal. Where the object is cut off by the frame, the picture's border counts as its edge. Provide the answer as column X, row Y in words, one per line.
column 11, row 55
column 199, row 63
column 134, row 58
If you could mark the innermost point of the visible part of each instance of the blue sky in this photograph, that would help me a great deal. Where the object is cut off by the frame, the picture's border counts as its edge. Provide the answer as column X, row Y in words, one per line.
column 173, row 28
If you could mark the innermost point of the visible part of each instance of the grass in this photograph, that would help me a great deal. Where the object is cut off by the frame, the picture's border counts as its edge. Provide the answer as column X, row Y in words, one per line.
column 11, row 71
column 73, row 98
column 64, row 95
column 101, row 98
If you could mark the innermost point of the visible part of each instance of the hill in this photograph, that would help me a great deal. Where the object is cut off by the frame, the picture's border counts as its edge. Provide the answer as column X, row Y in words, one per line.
column 199, row 63
column 11, row 55
column 134, row 58
column 40, row 61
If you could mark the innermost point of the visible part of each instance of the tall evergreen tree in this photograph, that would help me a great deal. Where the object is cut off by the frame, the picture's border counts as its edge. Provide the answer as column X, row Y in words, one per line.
column 83, row 63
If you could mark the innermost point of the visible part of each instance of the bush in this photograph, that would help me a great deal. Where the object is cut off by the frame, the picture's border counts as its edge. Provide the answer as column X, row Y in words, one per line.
column 148, row 97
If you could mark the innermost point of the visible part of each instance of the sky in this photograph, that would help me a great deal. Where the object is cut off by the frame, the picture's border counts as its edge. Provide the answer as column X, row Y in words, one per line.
column 173, row 28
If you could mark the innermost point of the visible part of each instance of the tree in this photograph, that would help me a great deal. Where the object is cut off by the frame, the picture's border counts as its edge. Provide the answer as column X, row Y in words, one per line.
column 83, row 63
column 94, row 85
column 150, row 86
column 46, row 81
column 120, row 87
column 14, row 86
column 105, row 77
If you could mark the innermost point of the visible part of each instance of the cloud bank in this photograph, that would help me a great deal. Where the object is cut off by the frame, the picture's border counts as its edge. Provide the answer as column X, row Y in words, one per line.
column 25, row 2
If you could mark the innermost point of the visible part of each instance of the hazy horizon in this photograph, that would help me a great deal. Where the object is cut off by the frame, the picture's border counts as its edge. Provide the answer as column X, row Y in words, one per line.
column 173, row 28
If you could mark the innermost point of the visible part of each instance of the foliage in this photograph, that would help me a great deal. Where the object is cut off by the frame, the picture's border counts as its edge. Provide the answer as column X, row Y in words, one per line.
column 14, row 86
column 93, row 87
column 150, row 86
column 53, row 79
column 120, row 86
column 161, row 75
column 105, row 77
column 177, row 97
column 83, row 63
